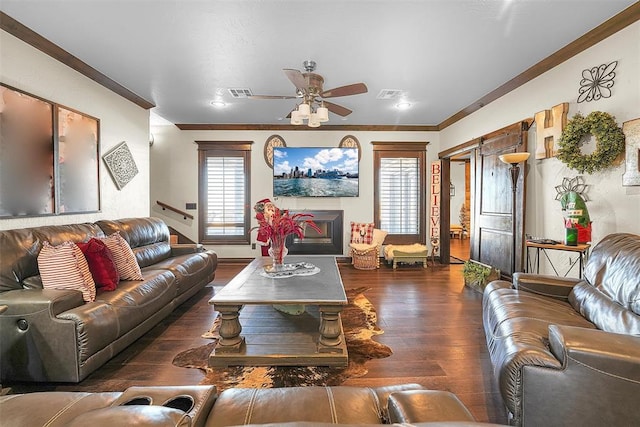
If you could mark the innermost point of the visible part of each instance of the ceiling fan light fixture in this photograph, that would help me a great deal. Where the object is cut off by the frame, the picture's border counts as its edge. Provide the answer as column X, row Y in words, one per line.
column 304, row 110
column 311, row 94
column 295, row 118
column 323, row 114
column 313, row 121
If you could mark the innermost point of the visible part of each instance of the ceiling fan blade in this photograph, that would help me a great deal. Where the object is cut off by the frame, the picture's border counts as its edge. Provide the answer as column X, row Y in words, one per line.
column 337, row 109
column 296, row 78
column 353, row 89
column 271, row 97
column 288, row 116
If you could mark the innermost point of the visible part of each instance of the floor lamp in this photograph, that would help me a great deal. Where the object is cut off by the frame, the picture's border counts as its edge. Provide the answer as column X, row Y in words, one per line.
column 514, row 159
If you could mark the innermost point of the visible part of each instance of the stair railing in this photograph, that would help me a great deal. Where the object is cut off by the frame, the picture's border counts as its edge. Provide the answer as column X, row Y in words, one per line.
column 176, row 210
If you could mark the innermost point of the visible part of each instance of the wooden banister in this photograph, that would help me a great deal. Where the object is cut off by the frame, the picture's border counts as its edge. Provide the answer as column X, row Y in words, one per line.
column 171, row 208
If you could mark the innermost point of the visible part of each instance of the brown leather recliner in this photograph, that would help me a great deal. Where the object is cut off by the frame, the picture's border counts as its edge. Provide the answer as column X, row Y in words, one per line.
column 567, row 351
column 201, row 406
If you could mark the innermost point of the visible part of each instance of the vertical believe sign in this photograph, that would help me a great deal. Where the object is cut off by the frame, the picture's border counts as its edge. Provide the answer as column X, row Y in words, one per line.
column 434, row 211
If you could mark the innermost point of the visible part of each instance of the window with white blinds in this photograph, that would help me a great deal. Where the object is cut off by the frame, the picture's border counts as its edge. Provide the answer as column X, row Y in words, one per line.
column 399, row 191
column 224, row 192
column 399, row 187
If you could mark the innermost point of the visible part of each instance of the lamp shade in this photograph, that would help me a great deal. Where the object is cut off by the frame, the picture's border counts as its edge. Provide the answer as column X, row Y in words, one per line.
column 295, row 118
column 304, row 110
column 512, row 158
column 323, row 114
column 313, row 120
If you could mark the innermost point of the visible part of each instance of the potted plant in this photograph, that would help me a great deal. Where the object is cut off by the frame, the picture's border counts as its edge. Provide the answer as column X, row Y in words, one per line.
column 477, row 275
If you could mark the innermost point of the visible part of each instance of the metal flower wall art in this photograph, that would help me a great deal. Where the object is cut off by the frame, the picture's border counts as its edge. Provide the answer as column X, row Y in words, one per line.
column 597, row 82
column 575, row 185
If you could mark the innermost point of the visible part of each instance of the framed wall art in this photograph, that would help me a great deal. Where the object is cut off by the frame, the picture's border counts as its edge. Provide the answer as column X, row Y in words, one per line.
column 351, row 141
column 120, row 164
column 27, row 148
column 48, row 157
column 272, row 142
column 78, row 168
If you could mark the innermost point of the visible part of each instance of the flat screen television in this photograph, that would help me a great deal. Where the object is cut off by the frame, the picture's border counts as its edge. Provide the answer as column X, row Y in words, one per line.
column 315, row 172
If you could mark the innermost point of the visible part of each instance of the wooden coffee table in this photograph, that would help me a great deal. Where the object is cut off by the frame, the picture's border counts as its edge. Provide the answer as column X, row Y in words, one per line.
column 314, row 338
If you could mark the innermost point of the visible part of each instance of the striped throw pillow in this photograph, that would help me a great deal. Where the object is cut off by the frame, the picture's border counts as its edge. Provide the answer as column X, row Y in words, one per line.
column 126, row 264
column 65, row 267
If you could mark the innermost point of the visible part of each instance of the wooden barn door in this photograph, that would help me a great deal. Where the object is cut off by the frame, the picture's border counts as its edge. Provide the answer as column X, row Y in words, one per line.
column 491, row 239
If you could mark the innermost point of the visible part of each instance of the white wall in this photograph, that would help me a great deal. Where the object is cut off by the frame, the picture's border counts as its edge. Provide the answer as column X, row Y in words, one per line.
column 613, row 208
column 28, row 69
column 174, row 174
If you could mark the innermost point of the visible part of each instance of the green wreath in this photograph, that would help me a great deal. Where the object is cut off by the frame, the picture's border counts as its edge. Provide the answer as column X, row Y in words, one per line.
column 609, row 142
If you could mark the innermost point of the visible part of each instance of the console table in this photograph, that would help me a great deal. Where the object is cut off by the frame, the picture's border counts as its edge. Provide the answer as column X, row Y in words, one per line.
column 313, row 338
column 581, row 252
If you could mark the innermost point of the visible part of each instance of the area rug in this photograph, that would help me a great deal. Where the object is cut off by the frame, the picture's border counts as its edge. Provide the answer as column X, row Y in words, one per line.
column 359, row 321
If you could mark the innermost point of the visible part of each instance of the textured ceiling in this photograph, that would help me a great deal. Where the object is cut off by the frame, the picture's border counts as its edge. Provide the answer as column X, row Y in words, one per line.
column 444, row 55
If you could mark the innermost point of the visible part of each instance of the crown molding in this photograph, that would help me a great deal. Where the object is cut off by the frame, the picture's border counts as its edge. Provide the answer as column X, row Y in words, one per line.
column 254, row 127
column 34, row 39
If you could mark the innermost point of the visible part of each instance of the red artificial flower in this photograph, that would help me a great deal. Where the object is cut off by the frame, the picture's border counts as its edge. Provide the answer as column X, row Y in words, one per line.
column 281, row 223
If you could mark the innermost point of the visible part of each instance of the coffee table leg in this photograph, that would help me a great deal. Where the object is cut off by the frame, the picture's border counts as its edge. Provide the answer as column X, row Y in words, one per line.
column 230, row 339
column 330, row 325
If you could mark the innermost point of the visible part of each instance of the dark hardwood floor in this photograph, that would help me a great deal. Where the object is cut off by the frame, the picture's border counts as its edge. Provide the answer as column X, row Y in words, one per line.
column 459, row 248
column 430, row 319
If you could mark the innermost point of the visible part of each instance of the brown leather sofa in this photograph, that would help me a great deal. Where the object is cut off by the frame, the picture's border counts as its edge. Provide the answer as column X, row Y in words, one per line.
column 201, row 406
column 567, row 351
column 50, row 335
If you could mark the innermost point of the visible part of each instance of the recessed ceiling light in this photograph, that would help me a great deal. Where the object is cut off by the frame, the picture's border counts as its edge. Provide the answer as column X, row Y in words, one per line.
column 403, row 105
column 218, row 104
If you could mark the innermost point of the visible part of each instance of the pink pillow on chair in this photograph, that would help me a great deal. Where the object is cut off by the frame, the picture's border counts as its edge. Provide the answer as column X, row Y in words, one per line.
column 362, row 232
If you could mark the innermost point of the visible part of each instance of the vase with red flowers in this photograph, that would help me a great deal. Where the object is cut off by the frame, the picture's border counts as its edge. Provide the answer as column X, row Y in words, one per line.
column 275, row 224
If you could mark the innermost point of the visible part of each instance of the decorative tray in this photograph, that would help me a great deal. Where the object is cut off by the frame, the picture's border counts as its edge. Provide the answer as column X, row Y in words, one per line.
column 290, row 270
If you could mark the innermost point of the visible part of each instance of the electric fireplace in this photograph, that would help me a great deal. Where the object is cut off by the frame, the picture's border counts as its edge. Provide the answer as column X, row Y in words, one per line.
column 327, row 242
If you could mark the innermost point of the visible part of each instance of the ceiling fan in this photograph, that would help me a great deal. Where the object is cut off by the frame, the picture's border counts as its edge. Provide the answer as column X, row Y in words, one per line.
column 314, row 106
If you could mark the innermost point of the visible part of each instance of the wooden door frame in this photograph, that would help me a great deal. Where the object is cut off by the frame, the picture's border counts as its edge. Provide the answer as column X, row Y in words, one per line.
column 474, row 146
column 445, row 198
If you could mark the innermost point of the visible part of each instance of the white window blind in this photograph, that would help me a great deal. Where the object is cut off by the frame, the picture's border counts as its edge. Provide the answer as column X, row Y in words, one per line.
column 399, row 195
column 225, row 206
column 224, row 190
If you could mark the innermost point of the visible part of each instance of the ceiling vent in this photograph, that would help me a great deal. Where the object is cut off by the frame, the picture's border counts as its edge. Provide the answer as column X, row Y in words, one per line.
column 390, row 94
column 239, row 92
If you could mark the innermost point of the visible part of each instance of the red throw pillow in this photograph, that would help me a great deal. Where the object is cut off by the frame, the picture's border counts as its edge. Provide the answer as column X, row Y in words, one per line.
column 101, row 264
